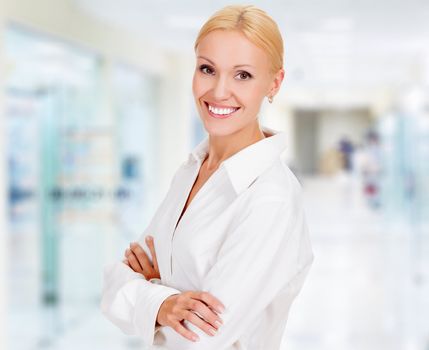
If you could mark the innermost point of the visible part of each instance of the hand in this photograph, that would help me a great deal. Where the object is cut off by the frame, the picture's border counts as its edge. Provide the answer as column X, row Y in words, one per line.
column 137, row 259
column 195, row 307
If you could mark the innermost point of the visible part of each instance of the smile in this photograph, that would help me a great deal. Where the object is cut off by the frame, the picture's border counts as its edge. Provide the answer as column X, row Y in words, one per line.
column 221, row 113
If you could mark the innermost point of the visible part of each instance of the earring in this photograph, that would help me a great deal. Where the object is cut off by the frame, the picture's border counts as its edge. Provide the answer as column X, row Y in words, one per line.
column 270, row 99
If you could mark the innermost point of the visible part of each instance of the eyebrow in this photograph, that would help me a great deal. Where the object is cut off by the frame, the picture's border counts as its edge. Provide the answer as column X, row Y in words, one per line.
column 236, row 66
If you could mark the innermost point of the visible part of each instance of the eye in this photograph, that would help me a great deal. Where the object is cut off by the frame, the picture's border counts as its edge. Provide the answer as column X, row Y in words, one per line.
column 205, row 69
column 244, row 75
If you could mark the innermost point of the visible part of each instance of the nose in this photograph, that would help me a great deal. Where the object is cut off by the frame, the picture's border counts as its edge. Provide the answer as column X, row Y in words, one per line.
column 221, row 89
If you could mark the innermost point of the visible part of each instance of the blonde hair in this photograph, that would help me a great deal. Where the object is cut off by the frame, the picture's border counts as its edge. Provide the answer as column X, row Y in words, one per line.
column 256, row 25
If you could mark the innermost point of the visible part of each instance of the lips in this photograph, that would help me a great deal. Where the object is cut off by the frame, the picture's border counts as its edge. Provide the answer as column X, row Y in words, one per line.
column 218, row 107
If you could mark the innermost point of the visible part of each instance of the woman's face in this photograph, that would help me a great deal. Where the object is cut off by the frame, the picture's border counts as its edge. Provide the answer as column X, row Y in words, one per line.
column 231, row 79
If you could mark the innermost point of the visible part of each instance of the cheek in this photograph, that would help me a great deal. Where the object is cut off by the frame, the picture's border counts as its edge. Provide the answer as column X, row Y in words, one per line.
column 253, row 93
column 194, row 85
column 199, row 85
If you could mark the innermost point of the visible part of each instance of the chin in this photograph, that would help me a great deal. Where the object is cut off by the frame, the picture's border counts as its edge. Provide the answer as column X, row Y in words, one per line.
column 219, row 129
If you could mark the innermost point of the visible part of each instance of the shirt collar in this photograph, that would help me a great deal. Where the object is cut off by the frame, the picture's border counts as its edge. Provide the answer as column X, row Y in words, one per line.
column 247, row 164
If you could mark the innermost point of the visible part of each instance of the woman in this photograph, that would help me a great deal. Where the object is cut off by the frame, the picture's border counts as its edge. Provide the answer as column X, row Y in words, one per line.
column 230, row 247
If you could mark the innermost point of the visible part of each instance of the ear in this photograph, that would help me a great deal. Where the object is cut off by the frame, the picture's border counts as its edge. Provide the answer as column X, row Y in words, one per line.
column 277, row 82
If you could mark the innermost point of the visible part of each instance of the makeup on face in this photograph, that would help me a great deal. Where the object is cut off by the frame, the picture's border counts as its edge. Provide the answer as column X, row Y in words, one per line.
column 229, row 81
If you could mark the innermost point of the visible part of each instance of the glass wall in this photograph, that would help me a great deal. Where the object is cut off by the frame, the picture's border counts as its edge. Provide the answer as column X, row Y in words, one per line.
column 82, row 170
column 404, row 139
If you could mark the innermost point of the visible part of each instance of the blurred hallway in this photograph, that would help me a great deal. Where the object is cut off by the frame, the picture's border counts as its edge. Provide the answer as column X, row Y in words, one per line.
column 369, row 289
column 97, row 113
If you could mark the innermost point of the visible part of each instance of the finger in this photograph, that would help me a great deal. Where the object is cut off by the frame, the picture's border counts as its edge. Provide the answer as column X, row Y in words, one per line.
column 183, row 331
column 210, row 300
column 205, row 313
column 141, row 256
column 125, row 261
column 197, row 321
column 135, row 265
column 151, row 245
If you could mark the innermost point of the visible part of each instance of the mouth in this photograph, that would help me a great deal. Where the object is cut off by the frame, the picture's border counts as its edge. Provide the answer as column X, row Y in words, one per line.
column 220, row 113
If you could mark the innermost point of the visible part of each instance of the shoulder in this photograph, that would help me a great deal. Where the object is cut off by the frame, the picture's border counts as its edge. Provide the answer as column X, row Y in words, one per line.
column 275, row 193
column 277, row 183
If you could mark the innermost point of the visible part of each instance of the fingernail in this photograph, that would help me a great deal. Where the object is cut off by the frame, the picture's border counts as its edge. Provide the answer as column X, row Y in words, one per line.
column 195, row 338
column 127, row 251
column 212, row 331
column 221, row 308
column 218, row 324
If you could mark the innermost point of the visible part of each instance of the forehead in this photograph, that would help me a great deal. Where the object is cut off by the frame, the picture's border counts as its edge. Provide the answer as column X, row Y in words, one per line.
column 228, row 47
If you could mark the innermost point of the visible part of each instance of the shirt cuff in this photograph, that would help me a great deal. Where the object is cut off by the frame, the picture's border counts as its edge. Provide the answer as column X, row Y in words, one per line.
column 147, row 308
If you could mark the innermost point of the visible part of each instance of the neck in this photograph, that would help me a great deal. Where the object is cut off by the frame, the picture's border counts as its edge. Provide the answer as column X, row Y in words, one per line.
column 223, row 147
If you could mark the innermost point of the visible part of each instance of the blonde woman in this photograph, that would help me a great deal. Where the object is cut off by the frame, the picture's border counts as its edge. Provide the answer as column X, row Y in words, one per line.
column 228, row 249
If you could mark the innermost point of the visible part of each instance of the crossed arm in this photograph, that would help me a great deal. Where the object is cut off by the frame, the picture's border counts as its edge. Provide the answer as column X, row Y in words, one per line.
column 178, row 307
column 266, row 255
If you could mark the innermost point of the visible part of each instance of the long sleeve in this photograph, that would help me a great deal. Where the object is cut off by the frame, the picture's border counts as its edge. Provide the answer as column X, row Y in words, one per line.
column 267, row 255
column 128, row 300
column 132, row 303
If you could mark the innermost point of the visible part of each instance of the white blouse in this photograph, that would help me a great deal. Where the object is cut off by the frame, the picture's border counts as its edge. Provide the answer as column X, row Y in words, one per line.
column 243, row 238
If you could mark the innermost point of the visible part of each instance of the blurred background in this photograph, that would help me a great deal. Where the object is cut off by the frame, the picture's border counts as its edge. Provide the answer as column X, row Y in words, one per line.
column 97, row 113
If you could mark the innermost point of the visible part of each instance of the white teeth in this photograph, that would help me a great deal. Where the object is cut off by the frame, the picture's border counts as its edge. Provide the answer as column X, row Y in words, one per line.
column 222, row 111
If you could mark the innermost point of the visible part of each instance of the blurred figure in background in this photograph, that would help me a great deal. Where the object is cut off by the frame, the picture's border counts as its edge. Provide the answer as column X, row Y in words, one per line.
column 346, row 148
column 368, row 163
